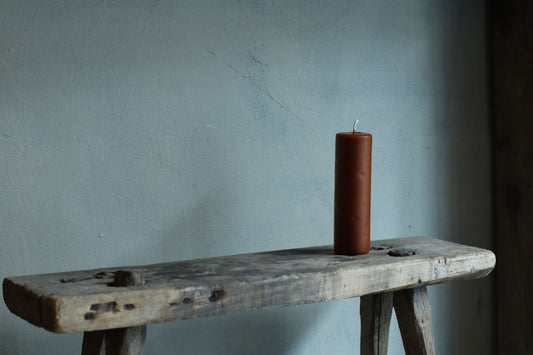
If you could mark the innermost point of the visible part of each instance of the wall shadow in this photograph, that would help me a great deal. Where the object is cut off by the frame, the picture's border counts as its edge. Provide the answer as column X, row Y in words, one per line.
column 468, row 311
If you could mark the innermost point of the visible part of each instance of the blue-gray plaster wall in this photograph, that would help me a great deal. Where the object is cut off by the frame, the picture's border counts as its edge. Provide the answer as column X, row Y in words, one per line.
column 143, row 131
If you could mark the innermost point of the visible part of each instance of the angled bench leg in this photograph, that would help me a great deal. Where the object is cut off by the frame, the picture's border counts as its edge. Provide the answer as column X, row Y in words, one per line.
column 125, row 341
column 93, row 343
column 121, row 341
column 376, row 313
column 414, row 318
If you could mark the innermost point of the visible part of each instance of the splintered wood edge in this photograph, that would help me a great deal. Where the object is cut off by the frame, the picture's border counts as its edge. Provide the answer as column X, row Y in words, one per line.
column 139, row 306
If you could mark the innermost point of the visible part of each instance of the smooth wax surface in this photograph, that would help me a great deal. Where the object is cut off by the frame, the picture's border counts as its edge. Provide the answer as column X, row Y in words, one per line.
column 353, row 166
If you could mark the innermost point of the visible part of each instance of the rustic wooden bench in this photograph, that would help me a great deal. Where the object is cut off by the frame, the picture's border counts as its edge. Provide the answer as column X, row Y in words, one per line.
column 113, row 306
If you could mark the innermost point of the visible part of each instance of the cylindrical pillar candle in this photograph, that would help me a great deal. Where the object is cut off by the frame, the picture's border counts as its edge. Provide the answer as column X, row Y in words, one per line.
column 353, row 163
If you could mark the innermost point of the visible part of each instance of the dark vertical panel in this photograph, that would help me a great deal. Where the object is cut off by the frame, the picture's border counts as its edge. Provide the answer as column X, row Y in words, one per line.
column 512, row 79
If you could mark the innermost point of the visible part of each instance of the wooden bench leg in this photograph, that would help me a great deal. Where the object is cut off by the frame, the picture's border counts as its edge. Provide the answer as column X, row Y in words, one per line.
column 414, row 318
column 125, row 341
column 121, row 341
column 376, row 311
column 93, row 343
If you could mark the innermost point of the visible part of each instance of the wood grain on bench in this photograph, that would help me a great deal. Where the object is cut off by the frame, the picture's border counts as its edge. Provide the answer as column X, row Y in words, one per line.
column 89, row 300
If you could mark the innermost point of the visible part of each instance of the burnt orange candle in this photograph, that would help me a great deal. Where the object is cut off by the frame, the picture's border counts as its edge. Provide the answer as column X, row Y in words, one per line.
column 353, row 163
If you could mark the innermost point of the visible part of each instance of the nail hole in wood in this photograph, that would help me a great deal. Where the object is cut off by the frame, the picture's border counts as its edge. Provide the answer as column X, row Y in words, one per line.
column 216, row 295
column 105, row 307
column 104, row 275
column 89, row 316
column 402, row 252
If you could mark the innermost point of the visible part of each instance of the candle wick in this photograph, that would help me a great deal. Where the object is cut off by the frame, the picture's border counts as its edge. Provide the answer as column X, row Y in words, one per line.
column 355, row 125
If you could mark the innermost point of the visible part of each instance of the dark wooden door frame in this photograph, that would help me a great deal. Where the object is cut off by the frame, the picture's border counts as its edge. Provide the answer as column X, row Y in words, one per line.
column 511, row 47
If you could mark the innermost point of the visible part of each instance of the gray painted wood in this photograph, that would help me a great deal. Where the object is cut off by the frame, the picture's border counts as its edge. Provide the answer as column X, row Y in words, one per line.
column 85, row 300
column 376, row 311
column 414, row 318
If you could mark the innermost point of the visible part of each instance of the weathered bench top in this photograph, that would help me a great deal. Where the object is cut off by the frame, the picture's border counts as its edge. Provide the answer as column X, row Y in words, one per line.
column 86, row 301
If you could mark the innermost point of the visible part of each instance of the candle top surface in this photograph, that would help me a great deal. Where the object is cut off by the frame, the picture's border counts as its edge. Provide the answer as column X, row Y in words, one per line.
column 355, row 134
